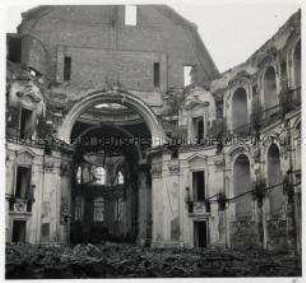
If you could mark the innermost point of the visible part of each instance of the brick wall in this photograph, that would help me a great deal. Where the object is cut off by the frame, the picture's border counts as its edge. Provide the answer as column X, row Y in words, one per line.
column 134, row 70
column 95, row 36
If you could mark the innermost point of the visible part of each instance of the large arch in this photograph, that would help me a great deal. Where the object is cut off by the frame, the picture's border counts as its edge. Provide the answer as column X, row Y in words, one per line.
column 123, row 98
column 242, row 184
column 274, row 179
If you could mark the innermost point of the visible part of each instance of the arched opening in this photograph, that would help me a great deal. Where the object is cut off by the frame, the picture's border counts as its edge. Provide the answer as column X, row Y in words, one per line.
column 275, row 179
column 270, row 92
column 110, row 144
column 239, row 111
column 297, row 65
column 242, row 184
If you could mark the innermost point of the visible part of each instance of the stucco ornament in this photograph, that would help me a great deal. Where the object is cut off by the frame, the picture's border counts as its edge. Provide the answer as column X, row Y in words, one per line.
column 194, row 97
column 27, row 94
column 200, row 97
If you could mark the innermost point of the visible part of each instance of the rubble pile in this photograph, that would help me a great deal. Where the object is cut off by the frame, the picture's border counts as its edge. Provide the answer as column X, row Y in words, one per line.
column 128, row 261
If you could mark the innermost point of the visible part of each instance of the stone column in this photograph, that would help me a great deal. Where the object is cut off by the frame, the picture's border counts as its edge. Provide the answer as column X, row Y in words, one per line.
column 56, row 199
column 157, row 203
column 144, row 204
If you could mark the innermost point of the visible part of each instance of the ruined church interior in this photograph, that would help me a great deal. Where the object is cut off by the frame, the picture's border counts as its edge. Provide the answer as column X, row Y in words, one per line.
column 119, row 127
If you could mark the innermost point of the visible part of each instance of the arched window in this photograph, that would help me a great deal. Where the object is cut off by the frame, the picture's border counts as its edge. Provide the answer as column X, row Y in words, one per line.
column 242, row 184
column 120, row 178
column 270, row 92
column 79, row 175
column 240, row 110
column 100, row 176
column 297, row 65
column 274, row 178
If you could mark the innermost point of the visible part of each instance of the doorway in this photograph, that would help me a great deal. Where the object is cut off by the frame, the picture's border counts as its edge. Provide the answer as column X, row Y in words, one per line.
column 19, row 231
column 200, row 234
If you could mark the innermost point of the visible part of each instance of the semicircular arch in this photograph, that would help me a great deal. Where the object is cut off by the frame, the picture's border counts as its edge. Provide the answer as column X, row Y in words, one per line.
column 122, row 98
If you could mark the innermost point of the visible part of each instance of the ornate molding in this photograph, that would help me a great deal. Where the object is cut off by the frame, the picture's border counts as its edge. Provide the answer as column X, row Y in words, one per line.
column 174, row 169
column 219, row 164
column 241, row 78
column 48, row 166
column 27, row 94
column 237, row 151
column 156, row 170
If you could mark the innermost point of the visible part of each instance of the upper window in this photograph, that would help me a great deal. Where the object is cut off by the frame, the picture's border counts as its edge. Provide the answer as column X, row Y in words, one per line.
column 156, row 74
column 270, row 94
column 67, row 68
column 239, row 111
column 187, row 75
column 130, row 15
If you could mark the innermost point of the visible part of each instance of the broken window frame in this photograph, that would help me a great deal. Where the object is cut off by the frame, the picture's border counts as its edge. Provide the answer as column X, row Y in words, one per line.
column 130, row 15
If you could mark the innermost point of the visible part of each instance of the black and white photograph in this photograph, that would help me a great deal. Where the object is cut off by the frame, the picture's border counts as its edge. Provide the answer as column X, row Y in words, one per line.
column 151, row 140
